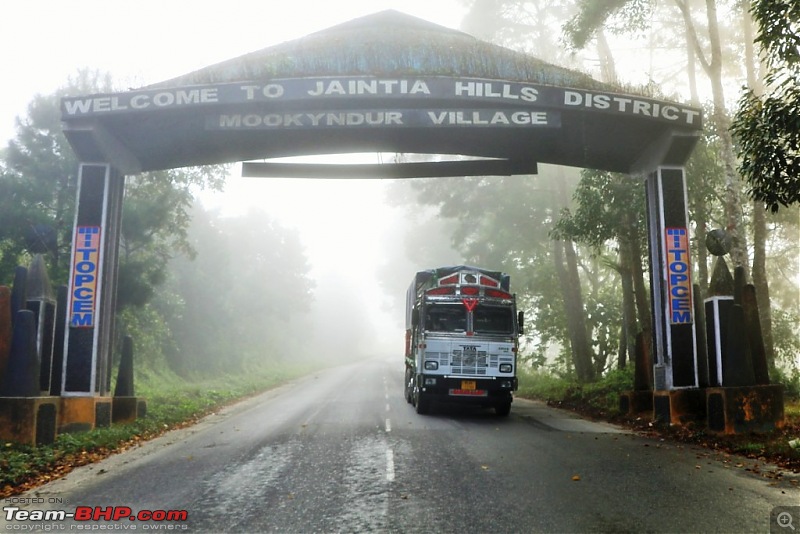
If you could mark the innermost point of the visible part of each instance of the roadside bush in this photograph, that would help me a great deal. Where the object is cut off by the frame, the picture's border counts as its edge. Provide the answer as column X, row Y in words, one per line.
column 600, row 396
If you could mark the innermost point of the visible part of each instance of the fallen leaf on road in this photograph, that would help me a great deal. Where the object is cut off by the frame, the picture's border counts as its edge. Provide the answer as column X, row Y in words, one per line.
column 576, row 478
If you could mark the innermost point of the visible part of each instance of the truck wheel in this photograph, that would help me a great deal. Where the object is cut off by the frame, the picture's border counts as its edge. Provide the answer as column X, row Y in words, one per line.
column 423, row 404
column 407, row 388
column 503, row 409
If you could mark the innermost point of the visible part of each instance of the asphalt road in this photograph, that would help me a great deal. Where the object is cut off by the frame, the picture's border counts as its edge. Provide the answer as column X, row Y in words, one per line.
column 341, row 451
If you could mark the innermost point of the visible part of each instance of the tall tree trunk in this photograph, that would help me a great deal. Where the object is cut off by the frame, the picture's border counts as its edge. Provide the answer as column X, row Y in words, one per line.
column 760, row 232
column 566, row 266
column 701, row 224
column 626, row 270
column 608, row 69
column 760, row 279
column 643, row 310
column 713, row 69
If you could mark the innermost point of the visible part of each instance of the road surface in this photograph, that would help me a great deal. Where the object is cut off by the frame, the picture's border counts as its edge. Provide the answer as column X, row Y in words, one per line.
column 342, row 451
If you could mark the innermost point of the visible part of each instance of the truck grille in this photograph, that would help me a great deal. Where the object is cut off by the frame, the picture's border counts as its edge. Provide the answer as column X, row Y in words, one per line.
column 469, row 363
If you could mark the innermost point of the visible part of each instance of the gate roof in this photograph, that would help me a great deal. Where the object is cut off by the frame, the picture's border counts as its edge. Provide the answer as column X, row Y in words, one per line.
column 387, row 82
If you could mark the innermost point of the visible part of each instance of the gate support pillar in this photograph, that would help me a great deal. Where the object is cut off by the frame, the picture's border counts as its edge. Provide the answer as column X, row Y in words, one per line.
column 674, row 336
column 88, row 341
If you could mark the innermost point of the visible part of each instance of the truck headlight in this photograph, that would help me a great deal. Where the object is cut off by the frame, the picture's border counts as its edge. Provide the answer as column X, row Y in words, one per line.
column 430, row 381
column 431, row 366
column 506, row 367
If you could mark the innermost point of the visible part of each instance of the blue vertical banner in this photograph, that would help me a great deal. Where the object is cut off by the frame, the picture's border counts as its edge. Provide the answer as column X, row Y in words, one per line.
column 85, row 267
column 679, row 282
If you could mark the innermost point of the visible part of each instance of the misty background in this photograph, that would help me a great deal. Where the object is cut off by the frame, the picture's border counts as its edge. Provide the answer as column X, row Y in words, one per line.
column 222, row 273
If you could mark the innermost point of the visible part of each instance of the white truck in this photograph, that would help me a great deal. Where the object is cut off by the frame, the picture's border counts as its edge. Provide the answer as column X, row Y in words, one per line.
column 462, row 338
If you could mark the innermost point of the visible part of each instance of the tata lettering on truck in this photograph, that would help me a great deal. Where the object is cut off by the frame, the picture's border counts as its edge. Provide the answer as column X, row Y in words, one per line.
column 462, row 337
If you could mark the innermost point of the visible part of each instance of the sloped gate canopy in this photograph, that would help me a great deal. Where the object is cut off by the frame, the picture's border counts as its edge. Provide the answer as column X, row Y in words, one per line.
column 386, row 83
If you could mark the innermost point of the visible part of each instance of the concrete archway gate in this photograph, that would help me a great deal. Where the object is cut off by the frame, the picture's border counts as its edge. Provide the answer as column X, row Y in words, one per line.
column 390, row 83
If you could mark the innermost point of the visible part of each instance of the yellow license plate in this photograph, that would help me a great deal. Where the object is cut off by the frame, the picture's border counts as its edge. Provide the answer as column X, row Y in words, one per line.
column 468, row 384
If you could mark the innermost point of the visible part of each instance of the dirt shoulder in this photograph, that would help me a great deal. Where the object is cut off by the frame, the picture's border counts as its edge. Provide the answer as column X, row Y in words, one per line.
column 773, row 447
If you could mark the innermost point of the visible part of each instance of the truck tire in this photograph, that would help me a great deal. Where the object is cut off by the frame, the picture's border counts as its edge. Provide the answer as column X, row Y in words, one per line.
column 408, row 388
column 503, row 409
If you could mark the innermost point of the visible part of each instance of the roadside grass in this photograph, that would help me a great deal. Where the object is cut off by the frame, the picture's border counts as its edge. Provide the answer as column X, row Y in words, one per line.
column 600, row 400
column 171, row 403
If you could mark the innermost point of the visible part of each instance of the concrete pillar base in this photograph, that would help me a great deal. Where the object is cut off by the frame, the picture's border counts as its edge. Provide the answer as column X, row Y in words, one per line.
column 80, row 414
column 128, row 409
column 679, row 406
column 742, row 409
column 29, row 420
column 636, row 402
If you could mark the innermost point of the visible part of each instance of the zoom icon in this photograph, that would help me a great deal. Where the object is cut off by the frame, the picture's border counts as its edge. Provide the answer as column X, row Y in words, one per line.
column 784, row 520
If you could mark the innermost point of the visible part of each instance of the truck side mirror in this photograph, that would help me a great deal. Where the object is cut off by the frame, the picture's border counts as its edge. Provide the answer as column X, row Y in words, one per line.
column 521, row 321
column 414, row 317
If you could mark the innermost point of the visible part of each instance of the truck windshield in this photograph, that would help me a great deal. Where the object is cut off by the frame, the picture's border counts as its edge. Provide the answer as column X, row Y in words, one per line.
column 493, row 320
column 446, row 318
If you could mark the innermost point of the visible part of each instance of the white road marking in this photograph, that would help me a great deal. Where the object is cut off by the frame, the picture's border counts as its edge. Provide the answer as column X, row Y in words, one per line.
column 389, row 464
column 388, row 425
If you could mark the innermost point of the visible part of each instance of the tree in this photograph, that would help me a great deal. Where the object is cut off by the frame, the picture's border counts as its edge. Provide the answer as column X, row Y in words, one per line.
column 707, row 49
column 37, row 189
column 230, row 302
column 767, row 126
column 505, row 223
column 155, row 220
column 610, row 211
column 523, row 25
column 38, row 181
column 565, row 260
column 712, row 30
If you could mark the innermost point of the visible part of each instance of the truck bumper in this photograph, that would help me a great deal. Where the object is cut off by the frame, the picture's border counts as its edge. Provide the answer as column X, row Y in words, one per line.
column 468, row 390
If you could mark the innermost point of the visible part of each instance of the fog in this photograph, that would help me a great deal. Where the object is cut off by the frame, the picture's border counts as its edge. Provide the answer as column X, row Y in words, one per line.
column 359, row 246
column 354, row 240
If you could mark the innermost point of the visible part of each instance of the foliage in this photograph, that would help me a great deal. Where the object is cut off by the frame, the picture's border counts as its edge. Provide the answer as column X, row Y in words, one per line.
column 601, row 396
column 608, row 205
column 512, row 236
column 768, row 132
column 205, row 317
column 767, row 127
column 38, row 183
column 526, row 26
column 151, row 334
column 237, row 298
column 155, row 221
column 541, row 384
column 617, row 15
column 787, row 342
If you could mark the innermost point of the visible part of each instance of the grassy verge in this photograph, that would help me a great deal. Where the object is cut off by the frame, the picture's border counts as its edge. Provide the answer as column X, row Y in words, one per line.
column 598, row 399
column 601, row 400
column 171, row 403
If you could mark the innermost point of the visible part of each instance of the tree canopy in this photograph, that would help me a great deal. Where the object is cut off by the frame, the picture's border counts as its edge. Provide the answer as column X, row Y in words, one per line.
column 767, row 126
column 188, row 314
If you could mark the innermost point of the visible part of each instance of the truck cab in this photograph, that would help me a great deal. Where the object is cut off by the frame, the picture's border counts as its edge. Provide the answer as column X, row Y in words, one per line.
column 462, row 330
